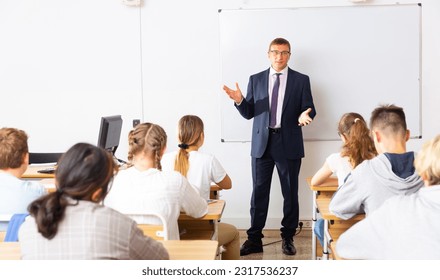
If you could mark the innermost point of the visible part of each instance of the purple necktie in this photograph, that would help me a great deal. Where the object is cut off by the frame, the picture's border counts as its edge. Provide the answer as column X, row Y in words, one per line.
column 274, row 104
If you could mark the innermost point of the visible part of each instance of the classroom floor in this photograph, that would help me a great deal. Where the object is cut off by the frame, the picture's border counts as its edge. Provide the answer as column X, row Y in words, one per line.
column 272, row 246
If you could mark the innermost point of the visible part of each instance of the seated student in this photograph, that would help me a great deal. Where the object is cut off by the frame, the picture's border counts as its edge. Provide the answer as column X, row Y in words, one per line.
column 357, row 147
column 390, row 173
column 15, row 194
column 71, row 224
column 144, row 189
column 202, row 169
column 404, row 227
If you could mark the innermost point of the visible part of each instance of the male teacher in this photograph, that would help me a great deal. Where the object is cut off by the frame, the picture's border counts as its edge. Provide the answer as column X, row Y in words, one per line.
column 280, row 101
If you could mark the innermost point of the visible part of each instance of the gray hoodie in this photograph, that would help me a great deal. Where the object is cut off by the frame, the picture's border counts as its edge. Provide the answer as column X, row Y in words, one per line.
column 374, row 181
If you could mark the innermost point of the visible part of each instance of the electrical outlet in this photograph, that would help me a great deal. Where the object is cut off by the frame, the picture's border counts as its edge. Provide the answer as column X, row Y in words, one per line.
column 136, row 122
column 133, row 3
column 306, row 223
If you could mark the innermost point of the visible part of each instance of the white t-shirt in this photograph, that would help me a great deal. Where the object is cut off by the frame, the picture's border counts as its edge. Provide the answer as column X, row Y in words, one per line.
column 340, row 166
column 137, row 192
column 204, row 169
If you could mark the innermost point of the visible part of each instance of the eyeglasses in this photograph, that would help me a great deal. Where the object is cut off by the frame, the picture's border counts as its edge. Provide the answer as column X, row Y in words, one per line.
column 283, row 53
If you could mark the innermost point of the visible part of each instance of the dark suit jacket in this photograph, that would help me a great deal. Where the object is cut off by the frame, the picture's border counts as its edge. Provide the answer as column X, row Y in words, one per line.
column 297, row 99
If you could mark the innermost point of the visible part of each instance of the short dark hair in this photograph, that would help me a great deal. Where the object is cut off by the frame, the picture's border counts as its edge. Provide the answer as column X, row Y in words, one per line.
column 13, row 147
column 279, row 41
column 390, row 119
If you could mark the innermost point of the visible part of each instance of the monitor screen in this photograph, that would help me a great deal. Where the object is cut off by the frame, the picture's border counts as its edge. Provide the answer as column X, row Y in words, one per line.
column 110, row 133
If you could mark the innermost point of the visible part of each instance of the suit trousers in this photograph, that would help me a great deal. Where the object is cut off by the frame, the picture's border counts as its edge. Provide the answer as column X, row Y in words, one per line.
column 288, row 172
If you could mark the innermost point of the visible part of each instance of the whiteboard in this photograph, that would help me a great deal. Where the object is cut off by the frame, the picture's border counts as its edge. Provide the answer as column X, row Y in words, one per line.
column 357, row 58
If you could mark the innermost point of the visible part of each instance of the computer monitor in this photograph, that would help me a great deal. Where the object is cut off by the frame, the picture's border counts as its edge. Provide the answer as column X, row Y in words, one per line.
column 110, row 133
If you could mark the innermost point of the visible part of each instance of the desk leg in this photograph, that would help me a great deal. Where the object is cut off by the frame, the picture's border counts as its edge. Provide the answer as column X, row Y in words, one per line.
column 215, row 234
column 215, row 237
column 326, row 241
column 314, row 217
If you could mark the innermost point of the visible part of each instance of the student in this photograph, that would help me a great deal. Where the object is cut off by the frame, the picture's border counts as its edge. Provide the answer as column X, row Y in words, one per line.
column 202, row 169
column 357, row 147
column 71, row 224
column 15, row 194
column 404, row 227
column 390, row 173
column 144, row 189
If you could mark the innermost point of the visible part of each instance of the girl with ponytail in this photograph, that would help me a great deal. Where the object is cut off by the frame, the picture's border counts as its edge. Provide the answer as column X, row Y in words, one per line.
column 357, row 147
column 202, row 169
column 143, row 188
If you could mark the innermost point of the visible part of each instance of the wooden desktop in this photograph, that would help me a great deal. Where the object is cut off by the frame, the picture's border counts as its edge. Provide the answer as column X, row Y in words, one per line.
column 177, row 249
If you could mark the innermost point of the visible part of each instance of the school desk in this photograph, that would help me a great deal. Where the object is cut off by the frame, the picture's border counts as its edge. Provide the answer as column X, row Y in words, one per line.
column 32, row 172
column 326, row 189
column 177, row 249
column 333, row 226
column 205, row 227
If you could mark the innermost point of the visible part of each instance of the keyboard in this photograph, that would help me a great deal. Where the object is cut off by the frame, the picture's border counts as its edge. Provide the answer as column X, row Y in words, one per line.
column 50, row 170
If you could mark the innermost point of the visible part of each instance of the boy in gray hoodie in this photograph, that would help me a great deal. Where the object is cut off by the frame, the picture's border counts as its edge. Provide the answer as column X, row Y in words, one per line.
column 391, row 173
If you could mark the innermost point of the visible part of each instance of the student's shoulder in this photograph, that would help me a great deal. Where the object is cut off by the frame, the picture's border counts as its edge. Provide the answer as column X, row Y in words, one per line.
column 113, row 216
column 197, row 155
column 363, row 170
column 334, row 156
column 126, row 172
column 33, row 187
column 171, row 175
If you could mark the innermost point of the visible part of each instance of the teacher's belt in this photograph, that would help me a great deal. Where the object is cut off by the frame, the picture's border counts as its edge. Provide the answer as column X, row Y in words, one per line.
column 274, row 130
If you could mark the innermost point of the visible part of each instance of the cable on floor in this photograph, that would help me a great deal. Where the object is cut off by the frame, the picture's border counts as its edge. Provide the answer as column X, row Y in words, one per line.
column 300, row 224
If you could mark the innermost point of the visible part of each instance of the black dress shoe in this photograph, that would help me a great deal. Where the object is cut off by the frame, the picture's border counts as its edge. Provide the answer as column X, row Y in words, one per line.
column 250, row 247
column 288, row 247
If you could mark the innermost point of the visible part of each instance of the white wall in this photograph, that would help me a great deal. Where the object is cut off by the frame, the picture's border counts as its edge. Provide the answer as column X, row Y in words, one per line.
column 63, row 65
column 181, row 75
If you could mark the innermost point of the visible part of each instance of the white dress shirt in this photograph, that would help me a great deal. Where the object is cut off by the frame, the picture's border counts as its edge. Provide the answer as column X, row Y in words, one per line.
column 281, row 91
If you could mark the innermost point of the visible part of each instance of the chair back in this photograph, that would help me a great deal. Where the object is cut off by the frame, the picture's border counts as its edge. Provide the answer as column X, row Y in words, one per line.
column 156, row 230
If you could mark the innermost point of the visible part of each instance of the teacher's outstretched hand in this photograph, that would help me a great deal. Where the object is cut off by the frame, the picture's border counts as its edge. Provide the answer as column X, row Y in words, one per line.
column 304, row 119
column 234, row 94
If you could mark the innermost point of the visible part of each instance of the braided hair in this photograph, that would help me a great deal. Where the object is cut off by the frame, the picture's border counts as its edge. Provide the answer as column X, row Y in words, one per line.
column 148, row 138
